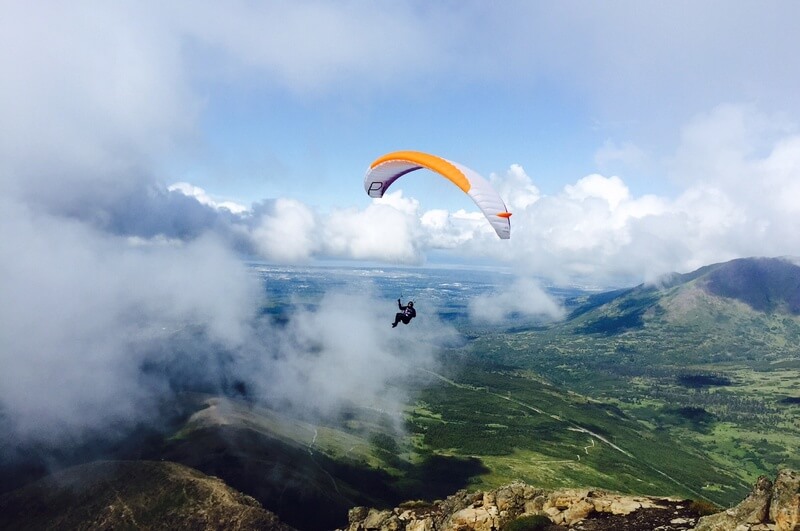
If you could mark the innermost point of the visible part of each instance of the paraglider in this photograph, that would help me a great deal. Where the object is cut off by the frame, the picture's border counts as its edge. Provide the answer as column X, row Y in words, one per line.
column 386, row 169
column 405, row 314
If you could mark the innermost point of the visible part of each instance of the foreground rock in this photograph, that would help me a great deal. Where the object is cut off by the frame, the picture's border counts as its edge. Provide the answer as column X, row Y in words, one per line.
column 769, row 506
column 132, row 495
column 588, row 510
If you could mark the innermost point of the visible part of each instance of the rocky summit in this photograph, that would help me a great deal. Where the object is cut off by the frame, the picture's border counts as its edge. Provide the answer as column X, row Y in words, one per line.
column 589, row 510
column 770, row 506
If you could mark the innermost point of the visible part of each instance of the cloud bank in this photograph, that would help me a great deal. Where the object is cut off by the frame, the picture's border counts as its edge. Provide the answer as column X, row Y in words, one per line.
column 740, row 172
column 98, row 330
column 80, row 308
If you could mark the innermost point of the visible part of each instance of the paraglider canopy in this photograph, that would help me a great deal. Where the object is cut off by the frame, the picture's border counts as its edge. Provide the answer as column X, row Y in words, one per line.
column 386, row 169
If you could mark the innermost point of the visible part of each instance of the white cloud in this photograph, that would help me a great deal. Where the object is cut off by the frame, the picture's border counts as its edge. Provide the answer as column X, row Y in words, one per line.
column 288, row 233
column 380, row 232
column 740, row 169
column 316, row 364
column 85, row 312
column 610, row 189
column 779, row 174
column 744, row 152
column 88, row 95
column 446, row 230
column 391, row 229
column 82, row 310
column 524, row 296
column 740, row 172
column 396, row 200
column 312, row 46
column 516, row 188
column 204, row 199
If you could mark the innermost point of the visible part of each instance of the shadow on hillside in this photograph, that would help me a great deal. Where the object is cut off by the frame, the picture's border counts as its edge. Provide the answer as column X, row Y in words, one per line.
column 309, row 490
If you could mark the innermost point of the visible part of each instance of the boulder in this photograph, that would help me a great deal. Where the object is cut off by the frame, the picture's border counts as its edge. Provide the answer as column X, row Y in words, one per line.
column 424, row 524
column 473, row 519
column 784, row 509
column 510, row 498
column 535, row 505
column 578, row 511
column 753, row 510
column 357, row 514
column 624, row 506
column 375, row 519
column 488, row 498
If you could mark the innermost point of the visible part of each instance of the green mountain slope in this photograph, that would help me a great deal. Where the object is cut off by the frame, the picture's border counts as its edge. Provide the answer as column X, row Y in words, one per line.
column 522, row 428
column 481, row 426
column 711, row 359
column 764, row 284
column 739, row 311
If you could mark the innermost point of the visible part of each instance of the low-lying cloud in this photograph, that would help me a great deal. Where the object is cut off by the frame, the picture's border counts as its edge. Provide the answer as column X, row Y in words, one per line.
column 98, row 330
column 524, row 297
column 345, row 353
column 79, row 308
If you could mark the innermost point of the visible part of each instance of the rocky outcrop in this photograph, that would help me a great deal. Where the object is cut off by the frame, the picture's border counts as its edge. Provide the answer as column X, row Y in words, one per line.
column 491, row 510
column 784, row 508
column 754, row 510
column 769, row 506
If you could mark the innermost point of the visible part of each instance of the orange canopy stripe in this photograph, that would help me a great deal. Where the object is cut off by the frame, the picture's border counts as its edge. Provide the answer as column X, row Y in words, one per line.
column 431, row 162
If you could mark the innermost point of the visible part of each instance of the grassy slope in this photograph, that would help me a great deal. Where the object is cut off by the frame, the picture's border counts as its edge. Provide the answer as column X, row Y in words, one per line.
column 524, row 429
column 647, row 351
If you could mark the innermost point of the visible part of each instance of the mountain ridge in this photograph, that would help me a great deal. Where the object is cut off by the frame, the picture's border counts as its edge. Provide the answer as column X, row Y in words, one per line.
column 764, row 284
column 768, row 286
column 133, row 495
column 749, row 280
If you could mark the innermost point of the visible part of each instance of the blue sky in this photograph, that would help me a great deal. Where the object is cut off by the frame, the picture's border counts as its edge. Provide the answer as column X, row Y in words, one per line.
column 545, row 85
column 319, row 148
